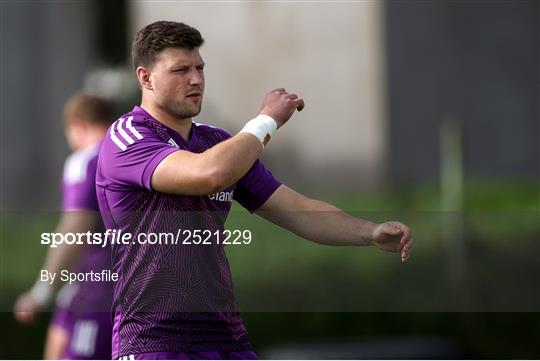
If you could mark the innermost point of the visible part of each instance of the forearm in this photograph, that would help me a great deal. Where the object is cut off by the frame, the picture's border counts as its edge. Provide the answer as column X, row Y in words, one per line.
column 332, row 226
column 217, row 168
column 57, row 259
column 323, row 223
column 62, row 257
column 232, row 158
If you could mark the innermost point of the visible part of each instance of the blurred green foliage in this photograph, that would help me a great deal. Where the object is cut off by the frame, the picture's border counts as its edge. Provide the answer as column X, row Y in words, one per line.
column 501, row 226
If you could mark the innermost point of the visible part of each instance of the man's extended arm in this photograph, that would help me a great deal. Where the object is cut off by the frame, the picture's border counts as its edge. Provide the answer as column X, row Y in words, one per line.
column 57, row 259
column 65, row 256
column 323, row 223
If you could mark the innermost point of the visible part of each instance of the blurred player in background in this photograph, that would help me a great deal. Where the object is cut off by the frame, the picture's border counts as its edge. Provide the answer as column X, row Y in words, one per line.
column 81, row 325
column 159, row 172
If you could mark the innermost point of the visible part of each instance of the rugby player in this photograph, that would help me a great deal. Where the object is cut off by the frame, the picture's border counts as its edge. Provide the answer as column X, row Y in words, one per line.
column 81, row 324
column 159, row 171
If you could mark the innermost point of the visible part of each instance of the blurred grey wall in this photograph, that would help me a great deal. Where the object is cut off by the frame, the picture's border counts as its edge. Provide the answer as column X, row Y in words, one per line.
column 46, row 48
column 378, row 78
column 331, row 53
column 476, row 61
column 51, row 49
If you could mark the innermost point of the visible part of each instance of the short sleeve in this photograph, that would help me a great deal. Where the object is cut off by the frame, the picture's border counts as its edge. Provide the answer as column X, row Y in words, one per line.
column 79, row 183
column 255, row 187
column 131, row 153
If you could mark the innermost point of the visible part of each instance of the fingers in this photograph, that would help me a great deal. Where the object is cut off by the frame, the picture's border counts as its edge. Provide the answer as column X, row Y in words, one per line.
column 300, row 104
column 291, row 96
column 406, row 253
column 25, row 309
column 297, row 102
column 394, row 228
column 390, row 229
column 408, row 245
column 404, row 230
column 404, row 257
column 280, row 105
column 406, row 241
column 24, row 316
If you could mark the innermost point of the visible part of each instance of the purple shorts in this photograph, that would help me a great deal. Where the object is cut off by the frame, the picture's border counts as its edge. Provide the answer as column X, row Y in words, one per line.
column 208, row 355
column 89, row 334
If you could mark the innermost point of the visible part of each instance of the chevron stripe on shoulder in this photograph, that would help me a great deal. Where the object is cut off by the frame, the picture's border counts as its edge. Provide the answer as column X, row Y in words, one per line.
column 124, row 133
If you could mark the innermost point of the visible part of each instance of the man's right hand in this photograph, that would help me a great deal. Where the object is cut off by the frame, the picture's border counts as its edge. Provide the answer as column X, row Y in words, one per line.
column 280, row 105
column 25, row 308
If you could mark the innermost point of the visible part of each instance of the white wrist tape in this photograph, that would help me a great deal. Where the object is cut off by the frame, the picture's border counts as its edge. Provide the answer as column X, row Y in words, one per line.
column 262, row 126
column 42, row 293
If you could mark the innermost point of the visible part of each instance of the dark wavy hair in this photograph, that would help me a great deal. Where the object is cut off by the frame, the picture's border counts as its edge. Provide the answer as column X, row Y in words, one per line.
column 160, row 35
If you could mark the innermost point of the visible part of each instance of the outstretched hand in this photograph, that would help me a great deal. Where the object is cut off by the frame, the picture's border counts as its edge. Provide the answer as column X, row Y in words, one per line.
column 393, row 237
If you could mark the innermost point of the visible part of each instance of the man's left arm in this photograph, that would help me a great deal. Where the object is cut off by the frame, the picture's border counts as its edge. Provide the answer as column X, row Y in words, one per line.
column 324, row 223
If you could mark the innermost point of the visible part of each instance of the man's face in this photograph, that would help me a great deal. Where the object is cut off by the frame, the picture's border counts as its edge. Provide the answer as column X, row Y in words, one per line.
column 177, row 79
column 75, row 131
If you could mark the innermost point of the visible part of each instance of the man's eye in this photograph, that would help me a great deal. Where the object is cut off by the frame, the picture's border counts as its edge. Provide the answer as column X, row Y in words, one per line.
column 181, row 70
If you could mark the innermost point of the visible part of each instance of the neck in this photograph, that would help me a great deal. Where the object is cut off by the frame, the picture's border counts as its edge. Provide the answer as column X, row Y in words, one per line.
column 182, row 126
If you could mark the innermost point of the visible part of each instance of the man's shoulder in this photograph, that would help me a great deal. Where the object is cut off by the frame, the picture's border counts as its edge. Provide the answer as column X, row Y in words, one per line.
column 77, row 164
column 131, row 119
column 128, row 130
column 211, row 129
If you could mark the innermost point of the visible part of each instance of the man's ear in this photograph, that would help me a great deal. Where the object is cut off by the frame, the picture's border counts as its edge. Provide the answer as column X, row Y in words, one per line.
column 143, row 75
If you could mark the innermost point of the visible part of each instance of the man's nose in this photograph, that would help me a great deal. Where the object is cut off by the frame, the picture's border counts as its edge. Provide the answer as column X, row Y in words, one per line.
column 196, row 78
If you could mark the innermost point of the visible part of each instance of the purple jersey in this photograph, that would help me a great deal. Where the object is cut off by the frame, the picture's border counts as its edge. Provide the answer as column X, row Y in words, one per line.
column 83, row 309
column 78, row 194
column 170, row 298
column 79, row 180
column 89, row 334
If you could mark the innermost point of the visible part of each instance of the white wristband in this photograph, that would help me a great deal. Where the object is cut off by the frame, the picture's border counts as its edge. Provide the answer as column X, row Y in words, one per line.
column 262, row 126
column 42, row 293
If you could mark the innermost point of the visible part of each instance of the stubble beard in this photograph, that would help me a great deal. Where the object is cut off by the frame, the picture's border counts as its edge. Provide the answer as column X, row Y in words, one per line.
column 182, row 110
